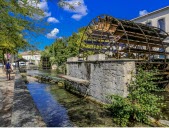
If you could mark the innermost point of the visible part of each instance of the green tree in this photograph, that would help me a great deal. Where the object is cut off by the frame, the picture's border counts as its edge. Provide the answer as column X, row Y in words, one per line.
column 19, row 56
column 17, row 20
column 1, row 55
column 59, row 51
column 140, row 103
column 64, row 48
column 14, row 20
column 74, row 42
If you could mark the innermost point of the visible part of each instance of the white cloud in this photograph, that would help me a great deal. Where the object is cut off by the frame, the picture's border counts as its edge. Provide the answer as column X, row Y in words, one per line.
column 53, row 34
column 41, row 5
column 77, row 16
column 52, row 20
column 60, row 37
column 80, row 10
column 47, row 14
column 143, row 12
column 44, row 6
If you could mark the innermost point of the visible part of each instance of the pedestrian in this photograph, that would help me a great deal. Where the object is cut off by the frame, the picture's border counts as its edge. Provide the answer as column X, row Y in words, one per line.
column 8, row 69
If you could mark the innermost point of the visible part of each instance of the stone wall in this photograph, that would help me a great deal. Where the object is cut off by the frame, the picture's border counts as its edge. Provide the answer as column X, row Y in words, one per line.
column 79, row 70
column 105, row 77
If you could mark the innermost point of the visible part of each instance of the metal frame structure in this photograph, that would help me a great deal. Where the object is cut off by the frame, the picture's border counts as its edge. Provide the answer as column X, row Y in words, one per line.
column 45, row 63
column 126, row 39
column 123, row 39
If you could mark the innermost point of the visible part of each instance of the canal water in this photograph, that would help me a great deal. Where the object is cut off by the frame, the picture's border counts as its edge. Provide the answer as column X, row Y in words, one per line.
column 53, row 113
column 46, row 72
column 60, row 108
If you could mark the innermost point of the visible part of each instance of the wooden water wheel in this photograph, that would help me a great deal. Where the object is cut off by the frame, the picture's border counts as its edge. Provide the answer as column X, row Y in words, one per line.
column 126, row 39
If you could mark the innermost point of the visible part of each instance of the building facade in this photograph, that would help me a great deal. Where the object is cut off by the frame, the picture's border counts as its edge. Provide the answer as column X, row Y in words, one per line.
column 158, row 18
column 32, row 57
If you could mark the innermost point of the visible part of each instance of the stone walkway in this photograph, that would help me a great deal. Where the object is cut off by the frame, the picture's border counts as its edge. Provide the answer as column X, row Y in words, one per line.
column 6, row 98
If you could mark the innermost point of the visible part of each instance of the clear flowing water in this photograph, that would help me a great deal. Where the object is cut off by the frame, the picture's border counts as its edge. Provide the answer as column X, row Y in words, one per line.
column 59, row 108
column 82, row 112
column 53, row 113
column 47, row 72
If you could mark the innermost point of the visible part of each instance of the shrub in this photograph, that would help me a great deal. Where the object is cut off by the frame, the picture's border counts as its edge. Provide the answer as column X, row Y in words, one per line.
column 24, row 78
column 140, row 103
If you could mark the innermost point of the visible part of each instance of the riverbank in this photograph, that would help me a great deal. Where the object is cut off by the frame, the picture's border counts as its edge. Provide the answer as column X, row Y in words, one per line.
column 17, row 109
column 32, row 79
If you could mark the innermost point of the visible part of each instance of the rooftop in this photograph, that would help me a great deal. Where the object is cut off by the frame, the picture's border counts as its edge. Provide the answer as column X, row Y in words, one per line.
column 30, row 53
column 156, row 11
column 21, row 59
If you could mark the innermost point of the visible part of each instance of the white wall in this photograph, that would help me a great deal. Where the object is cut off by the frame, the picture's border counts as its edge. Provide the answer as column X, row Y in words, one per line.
column 154, row 17
column 36, row 58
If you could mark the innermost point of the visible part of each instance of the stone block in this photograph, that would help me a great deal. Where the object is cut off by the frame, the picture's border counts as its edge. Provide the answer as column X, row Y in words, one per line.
column 96, row 57
column 72, row 59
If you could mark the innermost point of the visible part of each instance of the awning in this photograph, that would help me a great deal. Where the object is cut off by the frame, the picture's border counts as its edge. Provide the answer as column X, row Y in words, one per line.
column 21, row 59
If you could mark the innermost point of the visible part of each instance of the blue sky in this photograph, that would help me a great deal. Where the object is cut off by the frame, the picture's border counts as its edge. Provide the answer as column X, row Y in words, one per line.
column 63, row 21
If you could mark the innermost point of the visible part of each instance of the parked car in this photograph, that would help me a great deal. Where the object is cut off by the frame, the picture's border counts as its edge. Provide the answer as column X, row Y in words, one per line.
column 22, row 63
column 31, row 63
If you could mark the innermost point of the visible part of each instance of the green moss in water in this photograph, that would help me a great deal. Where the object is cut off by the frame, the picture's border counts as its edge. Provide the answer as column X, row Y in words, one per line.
column 82, row 112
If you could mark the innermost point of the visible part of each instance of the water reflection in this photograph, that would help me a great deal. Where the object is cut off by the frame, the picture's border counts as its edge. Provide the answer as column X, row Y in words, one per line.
column 53, row 113
column 46, row 72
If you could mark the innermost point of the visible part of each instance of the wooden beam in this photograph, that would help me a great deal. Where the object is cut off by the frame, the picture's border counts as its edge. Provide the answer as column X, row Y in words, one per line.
column 96, row 43
column 142, row 43
column 135, row 50
column 154, row 37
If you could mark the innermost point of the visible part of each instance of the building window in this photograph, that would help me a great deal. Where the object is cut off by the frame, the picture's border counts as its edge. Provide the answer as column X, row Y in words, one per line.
column 161, row 24
column 149, row 23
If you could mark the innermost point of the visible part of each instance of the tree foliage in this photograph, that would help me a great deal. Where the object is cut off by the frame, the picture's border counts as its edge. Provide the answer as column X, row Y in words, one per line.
column 140, row 103
column 63, row 48
column 18, row 18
